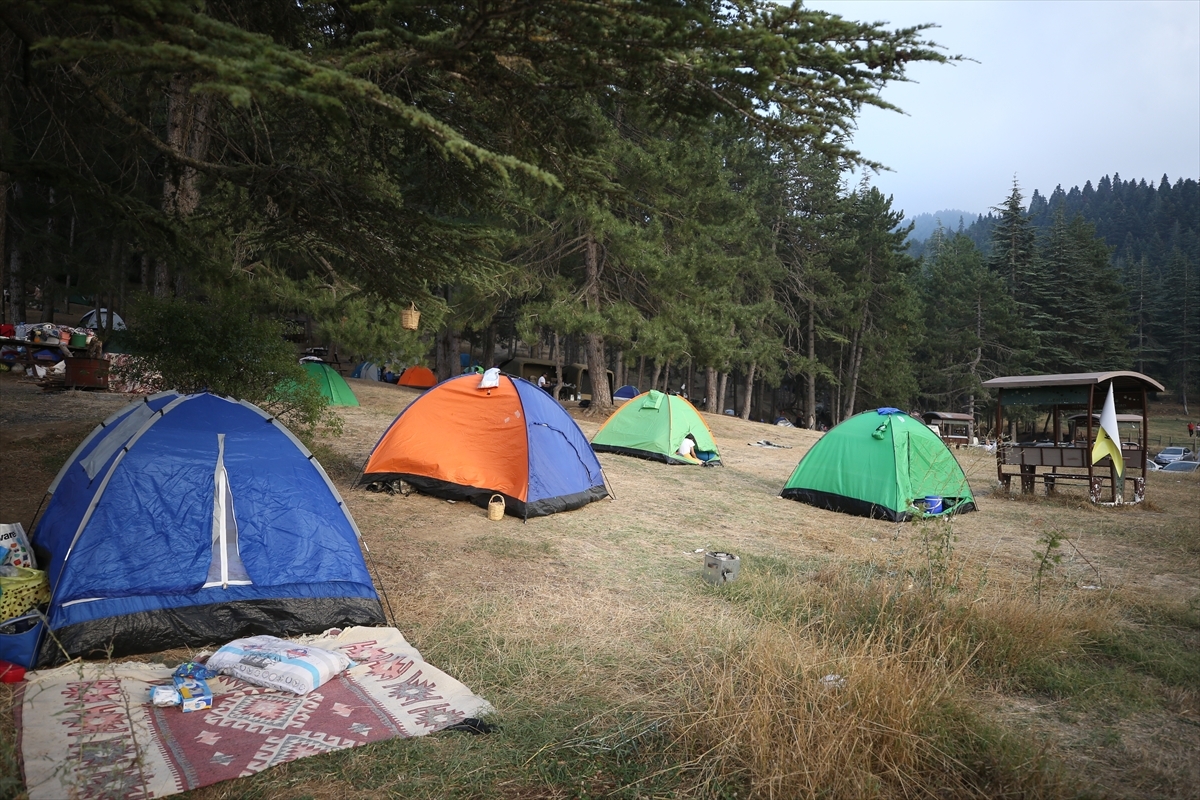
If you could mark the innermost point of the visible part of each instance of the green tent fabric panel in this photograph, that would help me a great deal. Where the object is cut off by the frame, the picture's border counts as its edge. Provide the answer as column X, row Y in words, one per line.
column 639, row 426
column 333, row 386
column 684, row 420
column 852, row 463
column 933, row 470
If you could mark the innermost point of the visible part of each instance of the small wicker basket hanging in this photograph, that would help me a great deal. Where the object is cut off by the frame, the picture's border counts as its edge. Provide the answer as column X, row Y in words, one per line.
column 410, row 318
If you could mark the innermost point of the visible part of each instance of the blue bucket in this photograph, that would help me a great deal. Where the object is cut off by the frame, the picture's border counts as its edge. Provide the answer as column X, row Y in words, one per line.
column 933, row 505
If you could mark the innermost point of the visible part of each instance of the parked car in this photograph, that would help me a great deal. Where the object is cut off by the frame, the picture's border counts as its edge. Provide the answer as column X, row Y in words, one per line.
column 1181, row 466
column 1170, row 454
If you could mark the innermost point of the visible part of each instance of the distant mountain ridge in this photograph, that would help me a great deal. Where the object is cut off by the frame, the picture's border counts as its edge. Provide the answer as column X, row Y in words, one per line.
column 925, row 224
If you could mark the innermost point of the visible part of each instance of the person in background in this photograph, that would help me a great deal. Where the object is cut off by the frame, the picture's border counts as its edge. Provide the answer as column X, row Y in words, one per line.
column 687, row 448
column 542, row 381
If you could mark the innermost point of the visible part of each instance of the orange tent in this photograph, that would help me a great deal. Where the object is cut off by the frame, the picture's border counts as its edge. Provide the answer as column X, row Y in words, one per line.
column 463, row 441
column 417, row 377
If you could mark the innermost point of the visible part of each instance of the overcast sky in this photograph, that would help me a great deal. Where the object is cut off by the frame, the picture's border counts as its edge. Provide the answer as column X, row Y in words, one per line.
column 1064, row 92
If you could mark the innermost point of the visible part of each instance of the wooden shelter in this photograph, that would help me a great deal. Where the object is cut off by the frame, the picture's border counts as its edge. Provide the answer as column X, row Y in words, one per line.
column 1066, row 456
column 955, row 429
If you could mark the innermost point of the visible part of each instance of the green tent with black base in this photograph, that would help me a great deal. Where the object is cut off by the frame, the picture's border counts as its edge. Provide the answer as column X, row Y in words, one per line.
column 882, row 464
column 653, row 425
column 333, row 386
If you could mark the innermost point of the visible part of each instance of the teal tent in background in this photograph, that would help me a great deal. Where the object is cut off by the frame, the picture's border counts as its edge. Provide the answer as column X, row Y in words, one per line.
column 882, row 464
column 333, row 386
column 652, row 425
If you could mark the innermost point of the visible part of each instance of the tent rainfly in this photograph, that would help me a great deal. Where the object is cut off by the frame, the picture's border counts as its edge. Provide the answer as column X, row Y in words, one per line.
column 880, row 464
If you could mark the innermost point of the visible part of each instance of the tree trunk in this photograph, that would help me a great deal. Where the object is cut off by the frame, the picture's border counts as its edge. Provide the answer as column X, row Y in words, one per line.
column 594, row 341
column 641, row 370
column 811, row 375
column 556, row 354
column 666, row 387
column 489, row 347
column 749, row 389
column 188, row 133
column 722, row 384
column 5, row 314
column 856, row 351
column 654, row 375
column 16, row 285
column 447, row 353
column 711, row 403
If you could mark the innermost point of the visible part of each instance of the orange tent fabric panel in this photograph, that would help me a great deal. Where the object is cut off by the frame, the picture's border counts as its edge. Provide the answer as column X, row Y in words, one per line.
column 462, row 435
column 420, row 377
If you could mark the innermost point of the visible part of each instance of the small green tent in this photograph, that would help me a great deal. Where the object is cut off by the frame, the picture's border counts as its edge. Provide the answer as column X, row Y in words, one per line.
column 332, row 385
column 881, row 464
column 653, row 425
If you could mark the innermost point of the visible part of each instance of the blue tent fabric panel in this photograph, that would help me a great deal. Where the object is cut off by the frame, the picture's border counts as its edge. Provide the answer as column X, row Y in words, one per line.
column 561, row 461
column 626, row 392
column 161, row 496
column 75, row 490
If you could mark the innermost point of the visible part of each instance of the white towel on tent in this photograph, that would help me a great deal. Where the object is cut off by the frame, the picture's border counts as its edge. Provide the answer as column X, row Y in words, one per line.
column 490, row 379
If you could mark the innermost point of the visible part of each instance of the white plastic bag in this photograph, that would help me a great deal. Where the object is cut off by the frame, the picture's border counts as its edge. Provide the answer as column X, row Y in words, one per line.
column 16, row 550
column 277, row 663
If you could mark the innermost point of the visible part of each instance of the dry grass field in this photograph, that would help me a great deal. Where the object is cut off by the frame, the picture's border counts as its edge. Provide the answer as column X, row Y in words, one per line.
column 851, row 658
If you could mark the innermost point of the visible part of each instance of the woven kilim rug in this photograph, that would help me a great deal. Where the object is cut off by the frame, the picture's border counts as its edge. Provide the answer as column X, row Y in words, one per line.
column 87, row 730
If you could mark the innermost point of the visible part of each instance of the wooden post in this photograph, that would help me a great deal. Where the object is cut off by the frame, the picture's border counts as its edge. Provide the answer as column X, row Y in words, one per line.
column 1088, row 444
column 1000, row 438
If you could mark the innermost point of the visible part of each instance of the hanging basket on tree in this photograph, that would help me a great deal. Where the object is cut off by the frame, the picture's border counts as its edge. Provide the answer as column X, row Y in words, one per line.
column 410, row 318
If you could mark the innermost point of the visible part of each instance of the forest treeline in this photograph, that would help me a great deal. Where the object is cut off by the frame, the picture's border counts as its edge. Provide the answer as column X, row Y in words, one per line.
column 655, row 188
column 1153, row 235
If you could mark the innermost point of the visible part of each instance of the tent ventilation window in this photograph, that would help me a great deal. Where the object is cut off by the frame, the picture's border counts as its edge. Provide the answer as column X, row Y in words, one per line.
column 226, row 568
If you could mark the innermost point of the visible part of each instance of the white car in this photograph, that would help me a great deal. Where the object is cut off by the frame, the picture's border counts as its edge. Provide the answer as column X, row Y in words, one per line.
column 1170, row 454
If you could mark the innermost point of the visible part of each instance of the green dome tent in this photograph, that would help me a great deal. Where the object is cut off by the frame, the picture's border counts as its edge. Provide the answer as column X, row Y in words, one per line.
column 653, row 425
column 880, row 464
column 332, row 385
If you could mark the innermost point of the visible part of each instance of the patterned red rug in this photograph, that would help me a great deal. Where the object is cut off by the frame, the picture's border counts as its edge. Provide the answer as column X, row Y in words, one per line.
column 88, row 730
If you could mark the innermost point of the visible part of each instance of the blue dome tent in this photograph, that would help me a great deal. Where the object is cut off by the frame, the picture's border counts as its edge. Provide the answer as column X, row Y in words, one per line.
column 193, row 520
column 626, row 392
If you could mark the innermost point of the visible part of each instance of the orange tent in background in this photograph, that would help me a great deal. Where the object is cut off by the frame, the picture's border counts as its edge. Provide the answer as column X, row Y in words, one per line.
column 417, row 377
column 464, row 441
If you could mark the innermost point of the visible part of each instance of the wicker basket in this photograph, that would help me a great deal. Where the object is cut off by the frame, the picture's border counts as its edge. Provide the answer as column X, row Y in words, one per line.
column 410, row 318
column 19, row 594
column 496, row 508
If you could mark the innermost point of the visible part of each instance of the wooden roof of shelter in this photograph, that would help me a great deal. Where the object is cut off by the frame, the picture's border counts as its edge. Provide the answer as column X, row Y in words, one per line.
column 1122, row 381
column 947, row 415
